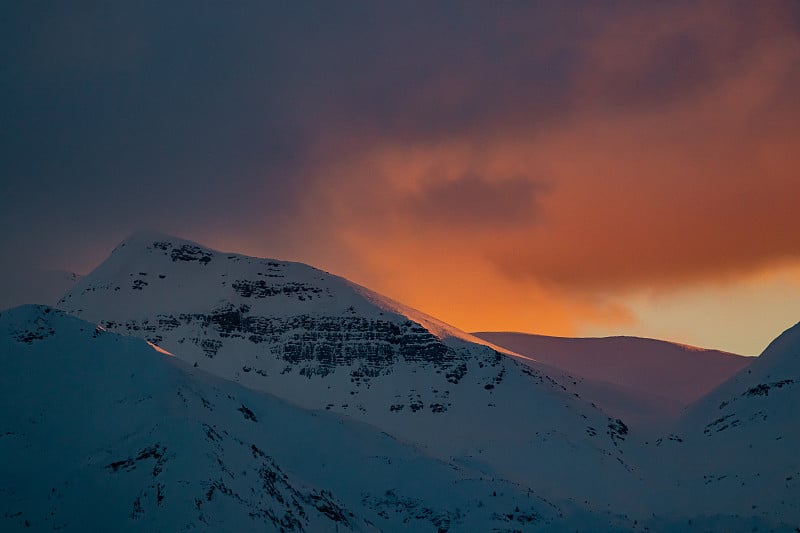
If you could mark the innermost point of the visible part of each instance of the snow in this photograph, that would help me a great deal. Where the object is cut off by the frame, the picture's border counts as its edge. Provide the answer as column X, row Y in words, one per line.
column 288, row 396
column 677, row 371
column 739, row 454
column 321, row 342
column 105, row 433
column 642, row 380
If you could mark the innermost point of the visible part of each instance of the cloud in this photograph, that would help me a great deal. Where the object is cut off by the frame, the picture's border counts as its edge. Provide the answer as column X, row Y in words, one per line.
column 673, row 164
column 659, row 154
column 471, row 204
column 518, row 164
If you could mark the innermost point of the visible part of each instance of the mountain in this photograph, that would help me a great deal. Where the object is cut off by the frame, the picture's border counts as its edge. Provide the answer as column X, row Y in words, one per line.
column 675, row 372
column 34, row 286
column 102, row 432
column 322, row 342
column 737, row 447
column 256, row 394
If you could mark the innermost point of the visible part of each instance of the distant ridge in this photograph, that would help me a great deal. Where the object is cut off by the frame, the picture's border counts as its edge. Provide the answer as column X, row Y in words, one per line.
column 675, row 371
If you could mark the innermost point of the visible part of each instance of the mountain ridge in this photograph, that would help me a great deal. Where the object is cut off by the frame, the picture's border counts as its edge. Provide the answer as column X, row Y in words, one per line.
column 321, row 342
column 119, row 436
column 672, row 370
column 737, row 445
column 254, row 329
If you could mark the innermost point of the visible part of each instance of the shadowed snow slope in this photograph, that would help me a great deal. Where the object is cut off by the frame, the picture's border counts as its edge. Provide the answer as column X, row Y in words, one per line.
column 738, row 453
column 100, row 432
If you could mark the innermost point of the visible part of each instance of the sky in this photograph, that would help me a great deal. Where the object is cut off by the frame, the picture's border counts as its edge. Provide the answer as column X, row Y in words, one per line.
column 566, row 168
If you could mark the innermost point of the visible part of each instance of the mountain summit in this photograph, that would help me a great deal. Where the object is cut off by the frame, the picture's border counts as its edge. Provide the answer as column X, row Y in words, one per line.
column 322, row 342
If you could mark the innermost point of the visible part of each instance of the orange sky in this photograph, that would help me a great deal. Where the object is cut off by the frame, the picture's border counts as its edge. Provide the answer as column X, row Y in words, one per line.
column 685, row 188
column 571, row 167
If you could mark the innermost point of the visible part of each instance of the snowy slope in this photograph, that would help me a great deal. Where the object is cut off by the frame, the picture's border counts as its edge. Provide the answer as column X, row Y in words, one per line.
column 103, row 433
column 673, row 371
column 738, row 447
column 322, row 342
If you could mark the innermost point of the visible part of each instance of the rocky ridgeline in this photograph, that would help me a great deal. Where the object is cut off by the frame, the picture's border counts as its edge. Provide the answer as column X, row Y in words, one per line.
column 285, row 312
column 312, row 345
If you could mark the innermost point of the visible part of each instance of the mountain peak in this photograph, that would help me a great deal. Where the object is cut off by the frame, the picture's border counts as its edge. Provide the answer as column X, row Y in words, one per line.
column 323, row 342
column 147, row 237
column 265, row 271
column 787, row 344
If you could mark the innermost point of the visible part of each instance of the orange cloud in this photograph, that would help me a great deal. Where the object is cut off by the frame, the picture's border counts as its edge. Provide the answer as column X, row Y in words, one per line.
column 671, row 160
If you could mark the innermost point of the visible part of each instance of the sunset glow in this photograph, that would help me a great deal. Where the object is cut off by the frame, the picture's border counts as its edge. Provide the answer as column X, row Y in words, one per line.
column 463, row 265
column 560, row 168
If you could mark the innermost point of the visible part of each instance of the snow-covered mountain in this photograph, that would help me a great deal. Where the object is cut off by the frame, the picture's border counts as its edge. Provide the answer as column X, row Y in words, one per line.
column 737, row 449
column 336, row 355
column 673, row 371
column 322, row 342
column 101, row 432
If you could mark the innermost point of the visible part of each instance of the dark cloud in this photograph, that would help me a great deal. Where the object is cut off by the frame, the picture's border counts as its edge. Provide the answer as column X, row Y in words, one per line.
column 200, row 117
column 364, row 132
column 117, row 117
column 472, row 204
